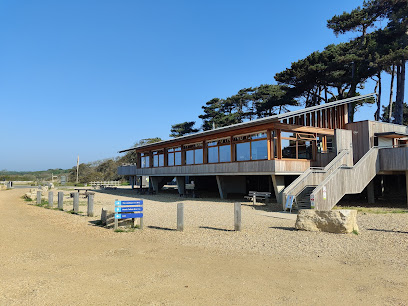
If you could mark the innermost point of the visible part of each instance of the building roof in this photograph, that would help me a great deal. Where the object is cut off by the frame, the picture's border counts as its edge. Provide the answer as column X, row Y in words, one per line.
column 274, row 118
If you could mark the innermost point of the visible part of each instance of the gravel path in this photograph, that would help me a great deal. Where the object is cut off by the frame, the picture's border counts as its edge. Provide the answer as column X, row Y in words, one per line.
column 51, row 257
column 209, row 224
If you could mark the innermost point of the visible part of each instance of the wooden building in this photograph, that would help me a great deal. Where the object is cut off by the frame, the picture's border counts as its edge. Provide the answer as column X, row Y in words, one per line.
column 323, row 155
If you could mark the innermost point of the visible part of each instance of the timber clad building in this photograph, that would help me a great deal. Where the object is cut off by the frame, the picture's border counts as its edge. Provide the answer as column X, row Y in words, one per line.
column 313, row 154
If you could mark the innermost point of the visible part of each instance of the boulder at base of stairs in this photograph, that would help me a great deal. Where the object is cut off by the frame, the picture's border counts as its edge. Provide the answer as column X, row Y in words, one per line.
column 342, row 221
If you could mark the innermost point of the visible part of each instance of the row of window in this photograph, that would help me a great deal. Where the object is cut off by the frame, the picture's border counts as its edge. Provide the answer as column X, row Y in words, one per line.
column 247, row 147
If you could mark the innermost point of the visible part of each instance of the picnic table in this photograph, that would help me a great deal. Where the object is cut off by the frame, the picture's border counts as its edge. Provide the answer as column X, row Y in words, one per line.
column 85, row 193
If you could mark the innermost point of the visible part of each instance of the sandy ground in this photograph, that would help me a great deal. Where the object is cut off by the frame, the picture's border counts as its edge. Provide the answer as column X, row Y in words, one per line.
column 50, row 257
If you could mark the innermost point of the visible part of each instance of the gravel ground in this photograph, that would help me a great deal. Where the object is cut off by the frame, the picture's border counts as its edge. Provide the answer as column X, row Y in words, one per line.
column 209, row 224
column 51, row 257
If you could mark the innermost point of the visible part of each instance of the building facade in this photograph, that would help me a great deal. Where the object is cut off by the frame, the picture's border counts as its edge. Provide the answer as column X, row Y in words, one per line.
column 302, row 153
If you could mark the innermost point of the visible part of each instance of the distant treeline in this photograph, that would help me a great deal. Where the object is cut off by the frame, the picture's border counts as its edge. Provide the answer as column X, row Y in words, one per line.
column 44, row 175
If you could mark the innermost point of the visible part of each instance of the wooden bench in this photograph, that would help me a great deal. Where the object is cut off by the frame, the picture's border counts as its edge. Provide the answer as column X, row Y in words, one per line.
column 253, row 195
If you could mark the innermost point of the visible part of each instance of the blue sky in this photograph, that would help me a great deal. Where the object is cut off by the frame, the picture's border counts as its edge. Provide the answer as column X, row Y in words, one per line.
column 93, row 77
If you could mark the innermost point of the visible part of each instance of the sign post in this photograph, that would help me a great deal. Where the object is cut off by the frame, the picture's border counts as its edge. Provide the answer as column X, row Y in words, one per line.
column 289, row 203
column 127, row 210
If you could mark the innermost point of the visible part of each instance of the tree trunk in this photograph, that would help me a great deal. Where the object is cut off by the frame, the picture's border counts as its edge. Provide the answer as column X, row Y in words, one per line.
column 391, row 93
column 378, row 98
column 399, row 101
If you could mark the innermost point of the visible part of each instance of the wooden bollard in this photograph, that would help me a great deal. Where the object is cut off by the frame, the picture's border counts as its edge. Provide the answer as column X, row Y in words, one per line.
column 90, row 212
column 237, row 216
column 180, row 217
column 60, row 200
column 116, row 220
column 50, row 199
column 76, row 202
column 39, row 197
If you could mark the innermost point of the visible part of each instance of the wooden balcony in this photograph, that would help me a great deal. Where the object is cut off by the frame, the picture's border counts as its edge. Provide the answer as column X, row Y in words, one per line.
column 263, row 167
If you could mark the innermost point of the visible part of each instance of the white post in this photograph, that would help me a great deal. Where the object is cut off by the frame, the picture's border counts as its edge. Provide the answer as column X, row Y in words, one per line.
column 180, row 217
column 39, row 197
column 50, row 199
column 60, row 200
column 76, row 202
column 90, row 212
column 237, row 216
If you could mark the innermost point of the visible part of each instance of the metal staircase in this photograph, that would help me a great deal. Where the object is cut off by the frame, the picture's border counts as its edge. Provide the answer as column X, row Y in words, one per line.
column 303, row 199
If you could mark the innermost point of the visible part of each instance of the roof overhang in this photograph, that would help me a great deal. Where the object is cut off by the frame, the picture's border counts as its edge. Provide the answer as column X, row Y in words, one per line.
column 391, row 135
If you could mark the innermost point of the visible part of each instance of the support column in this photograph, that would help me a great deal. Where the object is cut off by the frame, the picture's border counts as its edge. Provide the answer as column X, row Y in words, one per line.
column 132, row 181
column 278, row 186
column 181, row 184
column 406, row 183
column 370, row 192
column 157, row 183
column 223, row 195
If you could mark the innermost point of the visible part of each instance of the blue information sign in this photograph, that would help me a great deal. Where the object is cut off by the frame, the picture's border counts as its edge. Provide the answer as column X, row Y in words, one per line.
column 128, row 209
column 137, row 202
column 124, row 216
column 123, row 209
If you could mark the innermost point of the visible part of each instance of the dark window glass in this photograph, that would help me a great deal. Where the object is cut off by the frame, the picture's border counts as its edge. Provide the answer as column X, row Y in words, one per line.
column 161, row 160
column 155, row 161
column 304, row 149
column 288, row 148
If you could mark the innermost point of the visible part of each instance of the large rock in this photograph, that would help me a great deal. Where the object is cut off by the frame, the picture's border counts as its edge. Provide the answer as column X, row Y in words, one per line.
column 332, row 221
column 108, row 219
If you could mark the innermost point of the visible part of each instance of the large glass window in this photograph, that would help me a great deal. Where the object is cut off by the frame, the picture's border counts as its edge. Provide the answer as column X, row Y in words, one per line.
column 158, row 158
column 174, row 157
column 251, row 147
column 145, row 160
column 194, row 154
column 243, row 151
column 225, row 153
column 219, row 151
column 259, row 150
column 297, row 145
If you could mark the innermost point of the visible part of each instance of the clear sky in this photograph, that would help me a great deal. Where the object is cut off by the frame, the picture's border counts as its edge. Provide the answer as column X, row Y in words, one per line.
column 93, row 77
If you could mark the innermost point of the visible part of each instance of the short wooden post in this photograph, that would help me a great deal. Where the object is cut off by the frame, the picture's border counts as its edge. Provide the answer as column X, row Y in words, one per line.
column 237, row 216
column 90, row 212
column 180, row 217
column 39, row 197
column 50, row 199
column 60, row 200
column 141, row 223
column 76, row 202
column 116, row 220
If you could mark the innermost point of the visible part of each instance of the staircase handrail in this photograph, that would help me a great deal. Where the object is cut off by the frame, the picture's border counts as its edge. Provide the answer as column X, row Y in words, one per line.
column 343, row 167
column 311, row 170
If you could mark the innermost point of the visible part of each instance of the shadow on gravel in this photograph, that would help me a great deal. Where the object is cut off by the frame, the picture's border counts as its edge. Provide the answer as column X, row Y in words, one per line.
column 96, row 223
column 161, row 228
column 388, row 231
column 217, row 229
column 291, row 229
